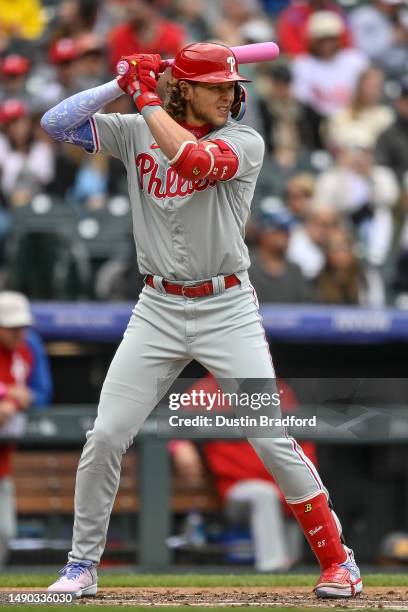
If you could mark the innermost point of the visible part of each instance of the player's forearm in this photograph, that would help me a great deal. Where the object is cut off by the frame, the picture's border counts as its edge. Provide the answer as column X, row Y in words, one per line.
column 168, row 134
column 73, row 111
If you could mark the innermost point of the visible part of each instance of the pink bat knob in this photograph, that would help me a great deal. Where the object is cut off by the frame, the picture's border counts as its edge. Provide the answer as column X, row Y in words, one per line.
column 122, row 67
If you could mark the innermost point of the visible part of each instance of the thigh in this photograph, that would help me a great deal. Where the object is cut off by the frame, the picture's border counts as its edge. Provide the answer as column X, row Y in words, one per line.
column 149, row 358
column 231, row 341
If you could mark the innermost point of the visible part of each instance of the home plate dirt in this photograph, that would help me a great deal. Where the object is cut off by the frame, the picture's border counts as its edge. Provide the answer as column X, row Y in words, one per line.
column 395, row 598
column 373, row 597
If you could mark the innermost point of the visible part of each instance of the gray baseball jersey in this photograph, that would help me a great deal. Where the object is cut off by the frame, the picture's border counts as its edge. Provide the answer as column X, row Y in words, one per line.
column 183, row 229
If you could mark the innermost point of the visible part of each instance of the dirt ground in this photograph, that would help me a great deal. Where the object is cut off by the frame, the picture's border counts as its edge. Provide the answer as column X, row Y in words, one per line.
column 372, row 598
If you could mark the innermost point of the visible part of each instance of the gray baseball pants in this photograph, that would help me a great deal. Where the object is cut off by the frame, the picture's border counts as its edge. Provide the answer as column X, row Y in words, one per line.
column 8, row 523
column 224, row 333
column 277, row 540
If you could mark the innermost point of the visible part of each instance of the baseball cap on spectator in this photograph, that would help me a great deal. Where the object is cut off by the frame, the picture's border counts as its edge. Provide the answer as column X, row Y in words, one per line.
column 256, row 31
column 63, row 50
column 15, row 65
column 281, row 73
column 273, row 215
column 12, row 109
column 324, row 24
column 14, row 310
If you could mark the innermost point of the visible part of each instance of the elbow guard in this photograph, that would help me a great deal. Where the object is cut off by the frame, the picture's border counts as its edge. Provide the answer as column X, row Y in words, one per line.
column 211, row 159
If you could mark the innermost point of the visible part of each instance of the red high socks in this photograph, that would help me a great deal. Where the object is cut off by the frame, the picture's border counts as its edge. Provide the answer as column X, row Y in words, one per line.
column 320, row 528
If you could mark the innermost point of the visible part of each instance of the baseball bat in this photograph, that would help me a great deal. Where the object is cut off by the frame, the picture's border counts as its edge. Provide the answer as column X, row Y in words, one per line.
column 245, row 54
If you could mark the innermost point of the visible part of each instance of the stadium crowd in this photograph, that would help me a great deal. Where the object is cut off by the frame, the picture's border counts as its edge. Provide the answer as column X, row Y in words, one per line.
column 330, row 212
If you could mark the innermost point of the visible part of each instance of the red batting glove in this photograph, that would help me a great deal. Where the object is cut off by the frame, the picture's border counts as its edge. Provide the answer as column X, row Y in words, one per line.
column 140, row 79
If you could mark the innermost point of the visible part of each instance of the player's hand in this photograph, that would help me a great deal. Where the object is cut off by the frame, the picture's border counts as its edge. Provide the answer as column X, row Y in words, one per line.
column 142, row 72
column 20, row 394
column 239, row 104
column 7, row 409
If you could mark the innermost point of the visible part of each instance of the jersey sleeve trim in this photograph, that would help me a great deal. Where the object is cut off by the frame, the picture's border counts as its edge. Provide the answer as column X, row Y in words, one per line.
column 95, row 135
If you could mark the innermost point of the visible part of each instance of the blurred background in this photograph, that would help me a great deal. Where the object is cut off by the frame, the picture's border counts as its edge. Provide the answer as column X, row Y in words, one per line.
column 328, row 238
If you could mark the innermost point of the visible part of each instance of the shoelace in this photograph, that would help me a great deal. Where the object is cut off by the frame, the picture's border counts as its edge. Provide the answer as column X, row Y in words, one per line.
column 73, row 570
column 351, row 566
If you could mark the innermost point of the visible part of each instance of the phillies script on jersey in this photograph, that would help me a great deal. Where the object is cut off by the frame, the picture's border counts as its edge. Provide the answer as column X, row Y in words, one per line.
column 171, row 185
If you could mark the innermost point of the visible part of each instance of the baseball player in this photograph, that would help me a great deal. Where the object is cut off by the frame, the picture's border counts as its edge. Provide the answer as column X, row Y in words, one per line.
column 191, row 173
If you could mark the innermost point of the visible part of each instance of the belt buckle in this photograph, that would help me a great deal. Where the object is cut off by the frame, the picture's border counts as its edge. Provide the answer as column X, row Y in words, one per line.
column 186, row 287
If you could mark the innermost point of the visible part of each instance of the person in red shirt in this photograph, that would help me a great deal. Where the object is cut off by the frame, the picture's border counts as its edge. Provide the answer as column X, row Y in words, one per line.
column 247, row 490
column 16, row 363
column 291, row 25
column 144, row 32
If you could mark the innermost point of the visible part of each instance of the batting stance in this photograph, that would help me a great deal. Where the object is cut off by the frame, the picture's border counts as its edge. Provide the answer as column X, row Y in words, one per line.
column 191, row 172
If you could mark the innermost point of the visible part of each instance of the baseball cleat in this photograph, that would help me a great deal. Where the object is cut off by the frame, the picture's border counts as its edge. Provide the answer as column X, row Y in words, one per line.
column 79, row 579
column 340, row 580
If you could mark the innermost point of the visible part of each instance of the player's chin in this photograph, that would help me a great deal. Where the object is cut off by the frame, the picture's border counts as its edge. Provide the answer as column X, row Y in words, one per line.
column 220, row 119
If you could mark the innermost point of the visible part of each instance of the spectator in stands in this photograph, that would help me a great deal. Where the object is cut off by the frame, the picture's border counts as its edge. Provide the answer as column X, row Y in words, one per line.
column 364, row 193
column 90, row 187
column 191, row 17
column 392, row 145
column 324, row 79
column 308, row 239
column 344, row 279
column 400, row 277
column 119, row 279
column 24, row 382
column 91, row 65
column 299, row 194
column 14, row 69
column 74, row 18
column 63, row 55
column 21, row 20
column 365, row 111
column 380, row 30
column 235, row 17
column 274, row 278
column 60, row 79
column 145, row 31
column 247, row 490
column 284, row 121
column 292, row 25
column 26, row 163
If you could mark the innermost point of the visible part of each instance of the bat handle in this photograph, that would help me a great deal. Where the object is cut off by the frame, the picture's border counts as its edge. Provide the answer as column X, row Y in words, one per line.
column 122, row 67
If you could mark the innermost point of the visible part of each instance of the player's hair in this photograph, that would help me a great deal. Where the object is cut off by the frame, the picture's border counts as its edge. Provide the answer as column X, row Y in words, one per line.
column 175, row 104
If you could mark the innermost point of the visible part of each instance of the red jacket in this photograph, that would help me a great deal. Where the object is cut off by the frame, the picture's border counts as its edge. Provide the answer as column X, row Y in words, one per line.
column 15, row 368
column 291, row 28
column 170, row 38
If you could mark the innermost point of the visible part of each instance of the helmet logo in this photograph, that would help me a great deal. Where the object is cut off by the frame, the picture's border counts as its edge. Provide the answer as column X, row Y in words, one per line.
column 231, row 62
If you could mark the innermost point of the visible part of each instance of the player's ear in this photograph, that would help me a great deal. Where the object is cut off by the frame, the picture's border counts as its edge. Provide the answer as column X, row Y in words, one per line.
column 186, row 90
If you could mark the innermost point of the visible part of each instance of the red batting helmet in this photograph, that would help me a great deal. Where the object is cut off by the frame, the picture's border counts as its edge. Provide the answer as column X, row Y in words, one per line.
column 206, row 63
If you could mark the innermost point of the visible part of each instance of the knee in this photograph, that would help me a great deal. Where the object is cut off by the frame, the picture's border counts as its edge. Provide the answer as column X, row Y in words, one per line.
column 108, row 442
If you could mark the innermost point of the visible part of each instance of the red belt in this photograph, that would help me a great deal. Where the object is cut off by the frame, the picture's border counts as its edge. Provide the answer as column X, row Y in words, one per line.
column 193, row 291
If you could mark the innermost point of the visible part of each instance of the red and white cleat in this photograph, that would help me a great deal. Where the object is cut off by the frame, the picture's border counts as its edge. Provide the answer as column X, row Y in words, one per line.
column 340, row 580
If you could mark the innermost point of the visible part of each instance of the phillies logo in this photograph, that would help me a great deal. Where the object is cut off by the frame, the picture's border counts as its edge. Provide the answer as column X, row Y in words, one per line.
column 231, row 62
column 171, row 185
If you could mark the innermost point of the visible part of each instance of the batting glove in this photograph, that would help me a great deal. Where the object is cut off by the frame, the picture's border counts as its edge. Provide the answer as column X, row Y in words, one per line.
column 138, row 75
column 239, row 104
